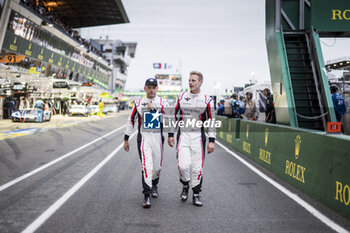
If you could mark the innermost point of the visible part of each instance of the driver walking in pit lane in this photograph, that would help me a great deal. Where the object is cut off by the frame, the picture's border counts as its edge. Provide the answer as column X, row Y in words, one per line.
column 193, row 105
column 149, row 141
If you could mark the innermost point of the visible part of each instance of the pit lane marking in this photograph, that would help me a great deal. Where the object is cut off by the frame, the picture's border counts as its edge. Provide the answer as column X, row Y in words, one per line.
column 330, row 223
column 29, row 174
column 16, row 133
column 23, row 132
column 53, row 208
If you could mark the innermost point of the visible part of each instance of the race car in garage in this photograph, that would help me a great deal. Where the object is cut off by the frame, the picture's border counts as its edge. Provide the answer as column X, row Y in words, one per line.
column 29, row 115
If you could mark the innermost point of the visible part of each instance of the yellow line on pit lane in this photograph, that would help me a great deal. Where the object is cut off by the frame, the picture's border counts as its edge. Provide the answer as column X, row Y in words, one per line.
column 4, row 136
column 12, row 135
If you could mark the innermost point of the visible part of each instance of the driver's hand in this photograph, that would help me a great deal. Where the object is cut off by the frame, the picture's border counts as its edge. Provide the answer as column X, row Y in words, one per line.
column 126, row 146
column 211, row 147
column 171, row 141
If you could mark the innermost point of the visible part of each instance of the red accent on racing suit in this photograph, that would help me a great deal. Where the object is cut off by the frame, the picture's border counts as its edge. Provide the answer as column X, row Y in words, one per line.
column 149, row 142
column 191, row 140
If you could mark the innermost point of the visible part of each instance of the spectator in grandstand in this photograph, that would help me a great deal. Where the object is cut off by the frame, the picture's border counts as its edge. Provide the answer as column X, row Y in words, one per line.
column 270, row 109
column 49, row 14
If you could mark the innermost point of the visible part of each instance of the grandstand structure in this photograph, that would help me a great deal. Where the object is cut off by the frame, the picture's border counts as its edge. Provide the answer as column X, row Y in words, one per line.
column 40, row 45
column 46, row 33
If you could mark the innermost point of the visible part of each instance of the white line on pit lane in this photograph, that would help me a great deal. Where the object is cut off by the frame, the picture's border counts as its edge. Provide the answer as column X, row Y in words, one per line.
column 53, row 208
column 293, row 196
column 15, row 181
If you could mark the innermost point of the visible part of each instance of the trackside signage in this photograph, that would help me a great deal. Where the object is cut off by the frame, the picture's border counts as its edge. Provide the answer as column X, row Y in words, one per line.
column 293, row 168
column 305, row 159
column 264, row 154
column 331, row 16
column 342, row 193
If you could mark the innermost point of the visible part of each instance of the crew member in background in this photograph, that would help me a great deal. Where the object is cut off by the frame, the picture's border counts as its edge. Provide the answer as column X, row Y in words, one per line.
column 241, row 109
column 39, row 106
column 250, row 112
column 149, row 142
column 191, row 105
column 235, row 105
column 221, row 108
column 270, row 109
column 12, row 106
column 46, row 107
column 339, row 103
column 100, row 107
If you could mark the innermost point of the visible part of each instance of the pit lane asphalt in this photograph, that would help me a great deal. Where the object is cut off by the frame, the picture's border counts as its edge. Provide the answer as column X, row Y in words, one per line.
column 235, row 198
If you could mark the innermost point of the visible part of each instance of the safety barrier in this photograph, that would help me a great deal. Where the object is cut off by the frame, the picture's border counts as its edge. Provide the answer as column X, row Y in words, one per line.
column 316, row 163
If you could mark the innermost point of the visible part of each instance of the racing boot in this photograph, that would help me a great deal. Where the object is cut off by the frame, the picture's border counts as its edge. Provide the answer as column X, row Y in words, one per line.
column 184, row 193
column 155, row 191
column 196, row 200
column 147, row 202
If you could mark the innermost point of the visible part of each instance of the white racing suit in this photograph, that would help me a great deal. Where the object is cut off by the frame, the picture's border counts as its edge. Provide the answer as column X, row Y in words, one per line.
column 191, row 139
column 149, row 141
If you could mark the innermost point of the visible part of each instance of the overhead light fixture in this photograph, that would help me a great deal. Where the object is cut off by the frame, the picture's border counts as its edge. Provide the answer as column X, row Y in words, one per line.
column 51, row 4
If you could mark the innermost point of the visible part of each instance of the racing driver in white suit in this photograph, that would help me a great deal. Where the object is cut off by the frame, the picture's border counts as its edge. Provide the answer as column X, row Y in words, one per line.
column 192, row 106
column 149, row 140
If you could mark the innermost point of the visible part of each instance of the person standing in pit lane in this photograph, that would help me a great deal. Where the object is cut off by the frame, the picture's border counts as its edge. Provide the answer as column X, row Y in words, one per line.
column 39, row 106
column 339, row 105
column 149, row 140
column 191, row 141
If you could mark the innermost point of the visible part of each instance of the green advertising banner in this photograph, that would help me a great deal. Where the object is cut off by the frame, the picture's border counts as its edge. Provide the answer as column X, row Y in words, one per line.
column 52, row 59
column 68, row 64
column 38, row 53
column 331, row 16
column 22, row 46
column 74, row 66
column 79, row 66
column 316, row 163
column 60, row 61
column 12, row 42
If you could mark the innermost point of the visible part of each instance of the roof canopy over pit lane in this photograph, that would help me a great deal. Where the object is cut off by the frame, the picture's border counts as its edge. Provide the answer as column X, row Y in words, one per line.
column 339, row 63
column 88, row 13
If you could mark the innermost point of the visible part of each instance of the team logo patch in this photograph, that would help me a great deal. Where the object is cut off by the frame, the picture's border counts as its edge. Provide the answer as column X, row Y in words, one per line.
column 151, row 120
column 187, row 98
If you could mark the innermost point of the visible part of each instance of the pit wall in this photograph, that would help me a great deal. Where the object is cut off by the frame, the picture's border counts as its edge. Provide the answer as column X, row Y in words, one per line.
column 316, row 163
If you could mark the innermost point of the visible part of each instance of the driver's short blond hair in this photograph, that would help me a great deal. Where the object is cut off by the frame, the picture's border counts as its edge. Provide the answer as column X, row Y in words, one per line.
column 199, row 74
